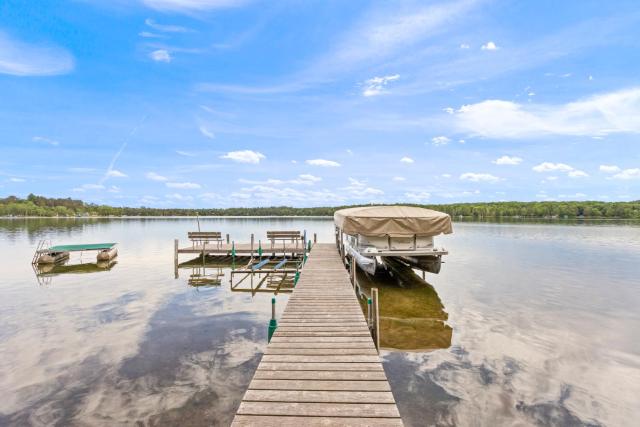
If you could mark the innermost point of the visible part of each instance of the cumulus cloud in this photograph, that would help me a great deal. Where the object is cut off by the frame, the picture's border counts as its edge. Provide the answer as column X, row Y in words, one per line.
column 160, row 55
column 23, row 59
column 609, row 168
column 375, row 86
column 508, row 160
column 361, row 190
column 155, row 177
column 206, row 132
column 577, row 174
column 323, row 163
column 406, row 160
column 309, row 178
column 479, row 177
column 244, row 156
column 551, row 167
column 489, row 46
column 440, row 140
column 628, row 174
column 183, row 185
column 599, row 115
column 113, row 173
column 398, row 178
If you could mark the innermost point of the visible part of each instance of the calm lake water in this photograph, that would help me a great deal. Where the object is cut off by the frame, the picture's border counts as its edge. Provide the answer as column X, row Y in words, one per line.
column 545, row 320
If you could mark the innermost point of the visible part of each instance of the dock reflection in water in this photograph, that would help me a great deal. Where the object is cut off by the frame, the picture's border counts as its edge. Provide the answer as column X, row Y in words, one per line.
column 412, row 317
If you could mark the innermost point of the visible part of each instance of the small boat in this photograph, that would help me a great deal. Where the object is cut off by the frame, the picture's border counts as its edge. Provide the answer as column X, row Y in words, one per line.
column 55, row 254
column 372, row 233
column 107, row 254
column 53, row 257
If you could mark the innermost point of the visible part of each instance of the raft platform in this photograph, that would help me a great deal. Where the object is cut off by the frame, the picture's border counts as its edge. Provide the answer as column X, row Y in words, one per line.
column 321, row 367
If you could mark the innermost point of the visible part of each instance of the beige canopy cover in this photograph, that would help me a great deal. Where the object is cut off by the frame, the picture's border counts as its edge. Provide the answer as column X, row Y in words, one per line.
column 394, row 221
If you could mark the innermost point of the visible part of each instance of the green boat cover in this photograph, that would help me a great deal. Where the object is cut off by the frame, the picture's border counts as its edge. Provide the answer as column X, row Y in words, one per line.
column 76, row 248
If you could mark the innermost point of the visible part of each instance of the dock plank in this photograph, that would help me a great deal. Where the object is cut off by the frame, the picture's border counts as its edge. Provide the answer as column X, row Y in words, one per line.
column 321, row 367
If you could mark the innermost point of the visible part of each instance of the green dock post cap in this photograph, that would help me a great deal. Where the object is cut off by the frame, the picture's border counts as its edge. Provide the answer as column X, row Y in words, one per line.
column 273, row 323
column 296, row 277
column 259, row 250
column 369, row 301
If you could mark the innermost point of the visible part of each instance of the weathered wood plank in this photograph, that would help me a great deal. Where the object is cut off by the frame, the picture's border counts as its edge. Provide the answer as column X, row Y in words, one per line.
column 375, row 410
column 278, row 421
column 312, row 366
column 335, row 339
column 313, row 396
column 324, row 359
column 321, row 351
column 321, row 375
column 319, row 385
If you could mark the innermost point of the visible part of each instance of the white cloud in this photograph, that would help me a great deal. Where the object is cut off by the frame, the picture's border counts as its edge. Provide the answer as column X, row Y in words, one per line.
column 309, row 178
column 489, row 46
column 179, row 197
column 398, row 178
column 449, row 110
column 507, row 160
column 166, row 28
column 89, row 187
column 478, row 177
column 45, row 140
column 183, row 185
column 113, row 173
column 440, row 140
column 418, row 196
column 190, row 6
column 206, row 132
column 155, row 177
column 244, row 156
column 185, row 153
column 446, row 175
column 209, row 196
column 17, row 179
column 323, row 163
column 160, row 55
column 550, row 167
column 609, row 168
column 407, row 160
column 613, row 112
column 464, row 46
column 577, row 174
column 81, row 170
column 114, row 189
column 149, row 35
column 628, row 174
column 376, row 85
column 360, row 190
column 22, row 59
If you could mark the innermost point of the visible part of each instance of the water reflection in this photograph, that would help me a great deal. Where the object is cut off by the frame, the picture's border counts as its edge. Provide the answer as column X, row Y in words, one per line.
column 544, row 324
column 412, row 316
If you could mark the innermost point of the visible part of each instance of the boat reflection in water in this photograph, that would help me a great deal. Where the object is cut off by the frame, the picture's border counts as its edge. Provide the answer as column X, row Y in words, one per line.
column 412, row 317
column 46, row 272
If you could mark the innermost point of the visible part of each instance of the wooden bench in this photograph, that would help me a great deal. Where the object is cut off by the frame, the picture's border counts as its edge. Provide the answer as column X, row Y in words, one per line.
column 205, row 237
column 284, row 237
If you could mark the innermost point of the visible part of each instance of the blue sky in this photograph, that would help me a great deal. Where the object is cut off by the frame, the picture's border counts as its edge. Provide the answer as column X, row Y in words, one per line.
column 218, row 103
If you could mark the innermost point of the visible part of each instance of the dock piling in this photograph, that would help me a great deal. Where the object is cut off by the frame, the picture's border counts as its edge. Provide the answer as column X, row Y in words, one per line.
column 273, row 323
column 315, row 238
column 227, row 238
column 376, row 318
column 175, row 258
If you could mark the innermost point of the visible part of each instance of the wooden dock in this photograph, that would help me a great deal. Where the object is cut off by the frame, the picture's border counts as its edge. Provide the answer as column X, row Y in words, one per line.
column 321, row 367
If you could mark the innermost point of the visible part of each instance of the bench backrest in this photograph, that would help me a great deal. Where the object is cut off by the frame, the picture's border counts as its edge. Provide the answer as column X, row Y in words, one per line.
column 213, row 235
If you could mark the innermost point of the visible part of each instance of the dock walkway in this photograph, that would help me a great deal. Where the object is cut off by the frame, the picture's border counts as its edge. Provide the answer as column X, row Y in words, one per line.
column 321, row 367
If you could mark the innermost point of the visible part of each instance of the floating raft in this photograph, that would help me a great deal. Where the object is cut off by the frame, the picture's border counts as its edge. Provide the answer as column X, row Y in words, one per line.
column 59, row 253
column 321, row 367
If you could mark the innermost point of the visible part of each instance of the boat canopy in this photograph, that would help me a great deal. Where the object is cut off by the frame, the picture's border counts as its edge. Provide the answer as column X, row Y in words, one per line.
column 87, row 247
column 393, row 221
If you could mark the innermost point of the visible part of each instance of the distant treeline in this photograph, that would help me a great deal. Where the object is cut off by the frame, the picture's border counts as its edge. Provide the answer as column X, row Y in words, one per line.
column 42, row 206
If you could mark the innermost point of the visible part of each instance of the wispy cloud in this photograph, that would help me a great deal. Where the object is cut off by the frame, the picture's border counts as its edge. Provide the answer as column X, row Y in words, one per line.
column 598, row 115
column 44, row 140
column 14, row 179
column 419, row 196
column 206, row 132
column 114, row 173
column 190, row 6
column 376, row 85
column 155, row 177
column 440, row 140
column 183, row 185
column 160, row 55
column 406, row 159
column 609, row 168
column 627, row 174
column 185, row 153
column 323, row 163
column 479, row 177
column 244, row 156
column 24, row 59
column 166, row 28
